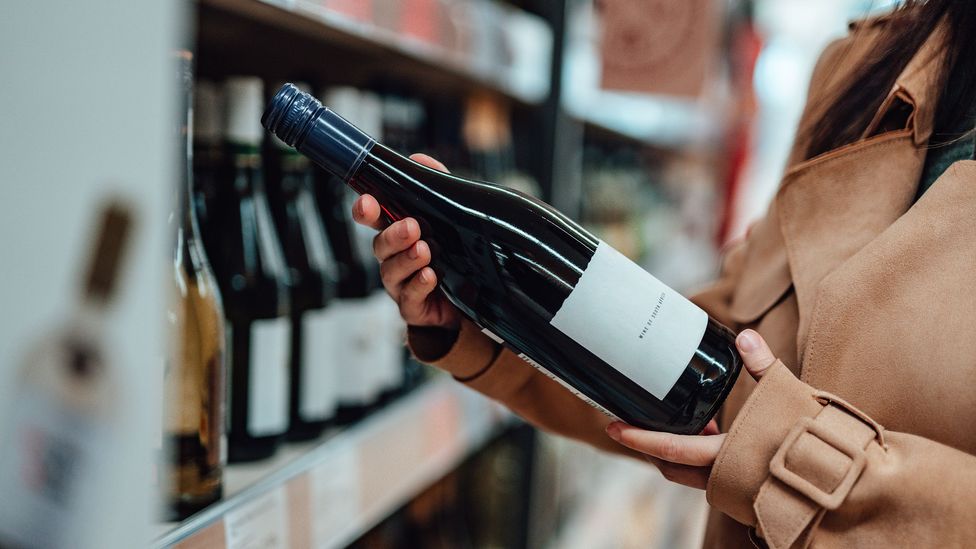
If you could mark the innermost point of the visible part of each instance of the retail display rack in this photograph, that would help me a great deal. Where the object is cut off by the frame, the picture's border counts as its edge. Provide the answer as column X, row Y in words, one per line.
column 348, row 481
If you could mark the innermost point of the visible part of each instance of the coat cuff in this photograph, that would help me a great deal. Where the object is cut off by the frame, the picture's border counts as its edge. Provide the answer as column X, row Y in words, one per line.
column 464, row 353
column 742, row 465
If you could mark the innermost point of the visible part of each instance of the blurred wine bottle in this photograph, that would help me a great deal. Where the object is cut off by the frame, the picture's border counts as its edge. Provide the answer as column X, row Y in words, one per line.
column 314, row 277
column 487, row 133
column 195, row 368
column 358, row 379
column 208, row 160
column 253, row 280
column 61, row 426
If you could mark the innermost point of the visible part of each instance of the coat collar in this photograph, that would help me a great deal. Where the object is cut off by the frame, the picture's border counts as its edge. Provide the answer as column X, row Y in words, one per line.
column 831, row 206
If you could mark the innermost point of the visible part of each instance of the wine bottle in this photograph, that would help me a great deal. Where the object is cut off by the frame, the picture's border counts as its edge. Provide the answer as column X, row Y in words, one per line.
column 313, row 274
column 357, row 382
column 208, row 161
column 60, row 426
column 253, row 279
column 195, row 371
column 537, row 282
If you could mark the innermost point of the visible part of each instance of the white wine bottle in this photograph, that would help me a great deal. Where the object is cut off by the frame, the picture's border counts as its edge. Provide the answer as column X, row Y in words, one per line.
column 61, row 428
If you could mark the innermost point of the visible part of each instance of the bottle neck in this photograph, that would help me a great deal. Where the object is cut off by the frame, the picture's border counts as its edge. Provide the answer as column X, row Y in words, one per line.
column 334, row 144
column 244, row 160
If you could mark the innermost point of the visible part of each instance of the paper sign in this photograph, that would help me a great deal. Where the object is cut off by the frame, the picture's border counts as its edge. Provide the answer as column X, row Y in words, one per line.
column 658, row 46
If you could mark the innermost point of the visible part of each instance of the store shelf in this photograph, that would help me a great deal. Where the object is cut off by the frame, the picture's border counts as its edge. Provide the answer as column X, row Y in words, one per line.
column 314, row 36
column 661, row 123
column 328, row 493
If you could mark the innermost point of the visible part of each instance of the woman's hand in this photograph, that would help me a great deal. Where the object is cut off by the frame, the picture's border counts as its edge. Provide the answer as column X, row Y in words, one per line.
column 688, row 459
column 404, row 260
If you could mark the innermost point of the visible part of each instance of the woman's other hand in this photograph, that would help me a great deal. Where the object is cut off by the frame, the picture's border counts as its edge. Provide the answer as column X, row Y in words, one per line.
column 688, row 459
column 404, row 263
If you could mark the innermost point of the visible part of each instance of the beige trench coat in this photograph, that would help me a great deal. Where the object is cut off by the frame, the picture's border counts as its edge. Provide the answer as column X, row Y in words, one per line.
column 863, row 434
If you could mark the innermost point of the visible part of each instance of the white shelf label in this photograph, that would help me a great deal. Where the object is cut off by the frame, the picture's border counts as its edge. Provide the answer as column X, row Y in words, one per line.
column 259, row 524
column 335, row 496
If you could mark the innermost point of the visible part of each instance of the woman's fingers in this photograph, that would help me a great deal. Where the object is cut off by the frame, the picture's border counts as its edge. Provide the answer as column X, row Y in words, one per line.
column 413, row 298
column 429, row 161
column 755, row 353
column 695, row 450
column 398, row 268
column 693, row 477
column 366, row 211
column 396, row 238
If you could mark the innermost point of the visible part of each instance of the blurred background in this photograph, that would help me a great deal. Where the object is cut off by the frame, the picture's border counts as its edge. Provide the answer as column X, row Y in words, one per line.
column 181, row 290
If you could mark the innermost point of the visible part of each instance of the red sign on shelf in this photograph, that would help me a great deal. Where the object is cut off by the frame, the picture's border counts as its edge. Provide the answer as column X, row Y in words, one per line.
column 421, row 19
column 360, row 10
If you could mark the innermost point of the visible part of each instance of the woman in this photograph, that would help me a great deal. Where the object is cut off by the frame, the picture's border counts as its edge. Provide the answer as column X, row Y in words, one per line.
column 854, row 298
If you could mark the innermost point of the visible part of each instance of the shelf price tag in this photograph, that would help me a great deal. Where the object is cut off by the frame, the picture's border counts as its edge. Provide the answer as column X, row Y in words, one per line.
column 335, row 495
column 261, row 523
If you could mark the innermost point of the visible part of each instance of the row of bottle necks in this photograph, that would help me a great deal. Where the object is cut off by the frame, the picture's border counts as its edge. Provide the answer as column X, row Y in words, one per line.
column 282, row 328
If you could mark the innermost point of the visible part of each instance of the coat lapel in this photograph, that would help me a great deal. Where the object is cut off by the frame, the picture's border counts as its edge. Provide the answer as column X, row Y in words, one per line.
column 831, row 206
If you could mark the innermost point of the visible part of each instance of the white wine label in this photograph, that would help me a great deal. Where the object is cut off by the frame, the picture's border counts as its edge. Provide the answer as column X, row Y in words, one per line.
column 267, row 399
column 352, row 351
column 259, row 523
column 633, row 321
column 389, row 333
column 568, row 387
column 491, row 335
column 52, row 469
column 319, row 389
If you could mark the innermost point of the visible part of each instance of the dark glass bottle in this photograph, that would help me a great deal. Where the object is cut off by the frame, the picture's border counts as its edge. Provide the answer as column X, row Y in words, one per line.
column 208, row 160
column 536, row 281
column 356, row 395
column 314, row 277
column 195, row 370
column 253, row 279
column 359, row 341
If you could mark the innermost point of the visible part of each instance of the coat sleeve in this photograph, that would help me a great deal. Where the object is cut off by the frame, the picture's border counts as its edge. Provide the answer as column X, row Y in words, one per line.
column 806, row 468
column 487, row 367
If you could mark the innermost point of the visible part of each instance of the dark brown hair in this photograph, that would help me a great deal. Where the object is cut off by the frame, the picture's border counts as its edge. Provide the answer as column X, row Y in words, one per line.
column 861, row 96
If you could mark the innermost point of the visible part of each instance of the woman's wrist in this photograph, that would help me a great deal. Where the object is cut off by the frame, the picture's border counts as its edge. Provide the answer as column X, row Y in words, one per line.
column 463, row 352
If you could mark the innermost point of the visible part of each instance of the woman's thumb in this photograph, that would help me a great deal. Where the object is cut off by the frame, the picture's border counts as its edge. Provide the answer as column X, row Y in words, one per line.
column 755, row 353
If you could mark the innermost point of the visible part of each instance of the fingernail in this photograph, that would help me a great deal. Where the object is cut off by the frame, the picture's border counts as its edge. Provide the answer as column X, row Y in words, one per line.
column 425, row 275
column 414, row 251
column 358, row 207
column 613, row 431
column 403, row 231
column 748, row 341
